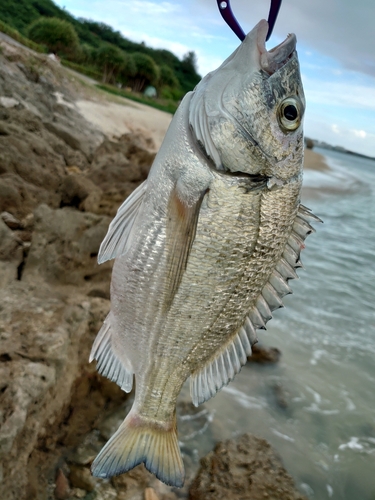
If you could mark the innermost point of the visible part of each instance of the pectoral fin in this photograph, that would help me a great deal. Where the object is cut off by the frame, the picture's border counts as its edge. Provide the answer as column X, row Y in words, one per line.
column 180, row 234
column 118, row 238
column 109, row 364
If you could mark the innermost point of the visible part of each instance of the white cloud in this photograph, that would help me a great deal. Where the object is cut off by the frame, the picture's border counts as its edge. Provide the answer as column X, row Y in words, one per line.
column 345, row 93
column 179, row 49
column 207, row 63
column 152, row 8
column 339, row 134
column 360, row 133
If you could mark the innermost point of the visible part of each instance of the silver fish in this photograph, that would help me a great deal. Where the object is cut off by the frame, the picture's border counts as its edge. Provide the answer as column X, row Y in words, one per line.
column 204, row 249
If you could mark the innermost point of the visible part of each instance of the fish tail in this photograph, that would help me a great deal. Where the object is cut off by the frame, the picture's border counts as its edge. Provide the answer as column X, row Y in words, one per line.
column 138, row 440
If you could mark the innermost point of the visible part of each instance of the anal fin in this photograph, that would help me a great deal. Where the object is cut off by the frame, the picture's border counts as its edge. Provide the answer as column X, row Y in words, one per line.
column 218, row 372
column 108, row 364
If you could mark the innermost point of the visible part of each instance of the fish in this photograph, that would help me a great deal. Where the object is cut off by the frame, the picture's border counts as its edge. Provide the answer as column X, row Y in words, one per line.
column 204, row 249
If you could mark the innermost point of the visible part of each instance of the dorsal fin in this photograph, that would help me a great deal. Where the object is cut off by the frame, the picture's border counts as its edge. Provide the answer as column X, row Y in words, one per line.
column 277, row 285
column 220, row 370
column 108, row 364
column 117, row 240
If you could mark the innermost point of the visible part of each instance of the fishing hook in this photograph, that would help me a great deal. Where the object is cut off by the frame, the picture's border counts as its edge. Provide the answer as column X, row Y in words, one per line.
column 228, row 16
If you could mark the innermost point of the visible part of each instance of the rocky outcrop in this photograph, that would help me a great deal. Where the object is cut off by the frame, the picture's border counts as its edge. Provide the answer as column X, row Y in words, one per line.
column 11, row 255
column 245, row 468
column 65, row 247
column 53, row 294
column 49, row 153
column 42, row 336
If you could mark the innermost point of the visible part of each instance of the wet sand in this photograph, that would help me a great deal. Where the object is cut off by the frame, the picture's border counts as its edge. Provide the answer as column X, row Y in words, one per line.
column 315, row 161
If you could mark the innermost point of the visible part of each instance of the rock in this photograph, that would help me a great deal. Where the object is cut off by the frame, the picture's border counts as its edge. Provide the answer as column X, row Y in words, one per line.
column 65, row 134
column 11, row 221
column 245, row 468
column 28, row 222
column 78, row 493
column 75, row 159
column 4, row 129
column 8, row 243
column 97, row 292
column 39, row 136
column 281, row 396
column 118, row 168
column 150, row 494
column 11, row 255
column 261, row 354
column 87, row 450
column 45, row 337
column 65, row 246
column 80, row 477
column 8, row 102
column 138, row 482
column 80, row 192
column 62, row 489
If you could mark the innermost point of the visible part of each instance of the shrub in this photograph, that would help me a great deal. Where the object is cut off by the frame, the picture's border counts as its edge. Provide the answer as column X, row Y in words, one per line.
column 57, row 35
column 110, row 60
column 128, row 70
column 147, row 72
column 167, row 77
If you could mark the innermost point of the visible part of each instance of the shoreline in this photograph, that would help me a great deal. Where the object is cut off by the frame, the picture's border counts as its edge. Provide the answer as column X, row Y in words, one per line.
column 315, row 161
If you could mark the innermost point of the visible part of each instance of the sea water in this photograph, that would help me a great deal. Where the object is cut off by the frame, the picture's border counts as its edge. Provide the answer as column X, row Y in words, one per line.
column 317, row 405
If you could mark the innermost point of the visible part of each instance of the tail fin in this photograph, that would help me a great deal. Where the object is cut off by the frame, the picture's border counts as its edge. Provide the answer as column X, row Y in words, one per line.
column 138, row 441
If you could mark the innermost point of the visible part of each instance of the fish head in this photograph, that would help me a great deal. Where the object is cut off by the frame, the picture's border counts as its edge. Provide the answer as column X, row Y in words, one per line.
column 247, row 115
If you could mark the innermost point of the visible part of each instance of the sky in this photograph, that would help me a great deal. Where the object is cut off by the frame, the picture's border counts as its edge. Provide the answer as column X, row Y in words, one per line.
column 335, row 43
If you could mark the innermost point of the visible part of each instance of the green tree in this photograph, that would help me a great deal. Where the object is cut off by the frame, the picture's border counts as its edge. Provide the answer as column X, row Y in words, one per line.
column 147, row 71
column 110, row 60
column 189, row 62
column 167, row 77
column 57, row 35
column 128, row 70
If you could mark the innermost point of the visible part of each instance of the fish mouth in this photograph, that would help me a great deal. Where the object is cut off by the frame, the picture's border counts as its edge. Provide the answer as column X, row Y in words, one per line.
column 274, row 59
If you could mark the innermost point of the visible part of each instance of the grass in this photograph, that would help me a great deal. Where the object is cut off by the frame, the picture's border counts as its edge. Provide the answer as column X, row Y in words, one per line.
column 16, row 35
column 85, row 70
column 163, row 104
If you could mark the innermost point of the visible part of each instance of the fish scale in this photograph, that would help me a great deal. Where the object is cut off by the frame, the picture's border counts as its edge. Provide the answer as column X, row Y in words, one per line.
column 255, row 272
column 204, row 249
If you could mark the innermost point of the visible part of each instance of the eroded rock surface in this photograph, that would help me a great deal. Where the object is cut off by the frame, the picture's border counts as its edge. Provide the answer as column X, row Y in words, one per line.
column 40, row 334
column 245, row 468
column 53, row 295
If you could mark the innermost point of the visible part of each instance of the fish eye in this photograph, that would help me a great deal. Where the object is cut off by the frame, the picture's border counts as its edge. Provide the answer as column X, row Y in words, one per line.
column 289, row 114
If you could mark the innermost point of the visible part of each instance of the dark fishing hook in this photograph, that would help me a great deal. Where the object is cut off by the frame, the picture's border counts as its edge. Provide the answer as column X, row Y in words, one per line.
column 228, row 16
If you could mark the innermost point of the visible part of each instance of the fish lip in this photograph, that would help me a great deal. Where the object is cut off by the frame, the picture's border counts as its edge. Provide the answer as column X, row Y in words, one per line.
column 271, row 61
